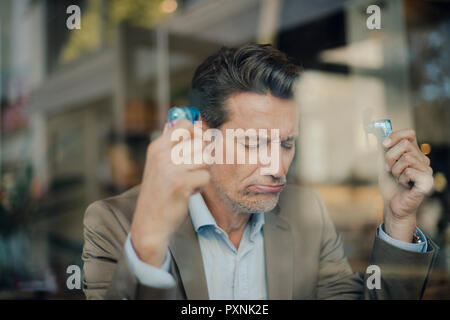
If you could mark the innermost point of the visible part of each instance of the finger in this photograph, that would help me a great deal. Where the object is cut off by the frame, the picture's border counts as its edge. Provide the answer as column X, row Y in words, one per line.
column 194, row 166
column 188, row 155
column 405, row 180
column 183, row 124
column 402, row 147
column 425, row 159
column 395, row 137
column 393, row 154
column 423, row 182
column 197, row 180
column 181, row 131
column 409, row 160
column 420, row 155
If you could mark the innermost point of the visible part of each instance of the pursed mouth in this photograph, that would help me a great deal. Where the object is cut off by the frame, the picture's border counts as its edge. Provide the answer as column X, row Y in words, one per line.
column 267, row 188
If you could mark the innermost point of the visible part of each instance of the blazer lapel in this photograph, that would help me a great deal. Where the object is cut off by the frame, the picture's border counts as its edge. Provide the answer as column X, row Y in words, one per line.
column 185, row 250
column 279, row 256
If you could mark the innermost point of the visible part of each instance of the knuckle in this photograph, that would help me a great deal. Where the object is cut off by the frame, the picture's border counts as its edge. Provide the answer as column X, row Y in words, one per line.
column 411, row 132
column 203, row 178
column 405, row 143
column 184, row 191
column 403, row 178
column 407, row 158
column 408, row 172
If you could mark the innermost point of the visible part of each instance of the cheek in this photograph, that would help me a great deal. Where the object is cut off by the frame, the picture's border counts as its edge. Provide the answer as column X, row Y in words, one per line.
column 233, row 177
column 224, row 174
column 288, row 158
column 215, row 171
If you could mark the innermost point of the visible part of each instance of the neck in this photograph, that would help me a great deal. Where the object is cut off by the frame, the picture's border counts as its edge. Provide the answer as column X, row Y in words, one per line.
column 229, row 220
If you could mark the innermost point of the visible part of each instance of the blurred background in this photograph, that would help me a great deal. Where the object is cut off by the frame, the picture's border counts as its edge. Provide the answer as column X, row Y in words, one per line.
column 78, row 108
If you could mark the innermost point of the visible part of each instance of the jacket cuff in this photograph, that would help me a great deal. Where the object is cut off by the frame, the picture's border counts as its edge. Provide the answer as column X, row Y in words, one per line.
column 404, row 274
column 409, row 246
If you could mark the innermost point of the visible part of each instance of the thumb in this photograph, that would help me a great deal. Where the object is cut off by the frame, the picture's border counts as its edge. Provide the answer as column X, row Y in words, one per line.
column 382, row 164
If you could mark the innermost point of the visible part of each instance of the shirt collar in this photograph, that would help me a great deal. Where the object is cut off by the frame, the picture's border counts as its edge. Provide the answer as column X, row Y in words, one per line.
column 202, row 217
column 200, row 214
column 257, row 222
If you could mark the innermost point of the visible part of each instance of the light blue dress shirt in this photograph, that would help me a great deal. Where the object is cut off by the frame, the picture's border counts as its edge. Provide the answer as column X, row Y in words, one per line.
column 409, row 246
column 230, row 273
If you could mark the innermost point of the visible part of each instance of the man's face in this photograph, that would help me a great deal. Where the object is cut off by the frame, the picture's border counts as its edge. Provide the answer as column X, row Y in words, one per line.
column 243, row 186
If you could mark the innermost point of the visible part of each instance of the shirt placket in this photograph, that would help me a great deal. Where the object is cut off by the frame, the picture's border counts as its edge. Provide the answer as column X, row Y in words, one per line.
column 237, row 263
column 241, row 267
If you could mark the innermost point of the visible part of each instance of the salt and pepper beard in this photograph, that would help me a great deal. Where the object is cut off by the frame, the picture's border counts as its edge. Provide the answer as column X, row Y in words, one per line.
column 246, row 208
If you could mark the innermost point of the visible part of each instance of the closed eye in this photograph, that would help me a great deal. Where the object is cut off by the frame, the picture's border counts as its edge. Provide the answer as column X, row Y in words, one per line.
column 251, row 147
column 287, row 145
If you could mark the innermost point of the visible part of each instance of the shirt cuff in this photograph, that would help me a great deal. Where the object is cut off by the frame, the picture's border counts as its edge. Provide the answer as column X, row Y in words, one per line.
column 415, row 247
column 147, row 274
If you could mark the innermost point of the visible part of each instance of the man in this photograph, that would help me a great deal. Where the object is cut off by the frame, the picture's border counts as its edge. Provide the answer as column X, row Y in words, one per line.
column 226, row 231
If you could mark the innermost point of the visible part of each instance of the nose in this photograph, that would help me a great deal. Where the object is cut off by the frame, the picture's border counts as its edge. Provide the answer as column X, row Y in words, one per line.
column 282, row 168
column 279, row 166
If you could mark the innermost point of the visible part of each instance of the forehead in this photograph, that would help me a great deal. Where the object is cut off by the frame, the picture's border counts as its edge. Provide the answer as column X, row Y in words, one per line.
column 249, row 110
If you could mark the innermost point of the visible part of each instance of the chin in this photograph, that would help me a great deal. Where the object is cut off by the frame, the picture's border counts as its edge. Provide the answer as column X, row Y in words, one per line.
column 260, row 203
column 249, row 202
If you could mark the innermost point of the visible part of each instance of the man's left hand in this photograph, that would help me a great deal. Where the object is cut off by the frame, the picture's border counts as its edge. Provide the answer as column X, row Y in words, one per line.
column 405, row 179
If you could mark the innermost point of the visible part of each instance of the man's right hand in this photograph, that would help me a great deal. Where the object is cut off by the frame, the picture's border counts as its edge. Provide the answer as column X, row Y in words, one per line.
column 162, row 203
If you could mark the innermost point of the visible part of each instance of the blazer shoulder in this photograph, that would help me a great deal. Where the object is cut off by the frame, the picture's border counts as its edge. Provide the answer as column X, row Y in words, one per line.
column 112, row 212
column 300, row 198
column 302, row 205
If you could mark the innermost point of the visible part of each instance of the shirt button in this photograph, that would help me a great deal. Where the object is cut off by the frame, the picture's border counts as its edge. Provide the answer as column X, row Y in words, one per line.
column 218, row 231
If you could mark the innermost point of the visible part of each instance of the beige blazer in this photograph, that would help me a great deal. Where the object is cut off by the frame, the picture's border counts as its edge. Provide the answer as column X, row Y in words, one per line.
column 304, row 256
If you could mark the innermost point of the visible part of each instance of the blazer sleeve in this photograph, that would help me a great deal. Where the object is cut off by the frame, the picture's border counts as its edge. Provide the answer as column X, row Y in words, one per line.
column 106, row 271
column 403, row 274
